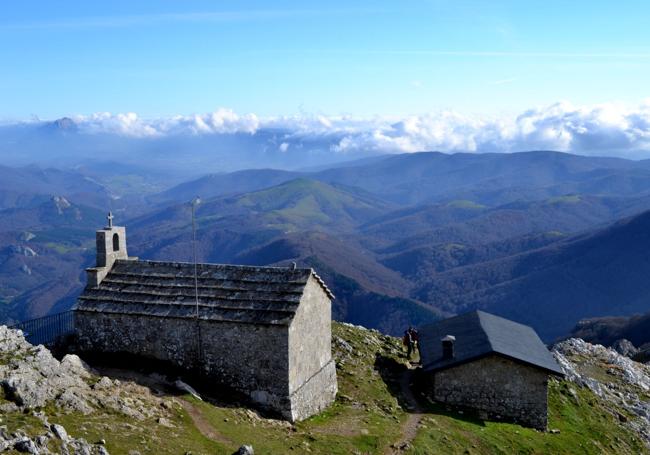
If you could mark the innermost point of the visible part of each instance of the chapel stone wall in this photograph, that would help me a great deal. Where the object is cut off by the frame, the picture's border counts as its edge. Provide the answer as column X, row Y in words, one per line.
column 312, row 371
column 249, row 358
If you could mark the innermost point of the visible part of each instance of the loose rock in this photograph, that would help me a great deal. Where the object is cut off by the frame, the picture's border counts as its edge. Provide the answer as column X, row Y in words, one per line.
column 59, row 432
column 180, row 385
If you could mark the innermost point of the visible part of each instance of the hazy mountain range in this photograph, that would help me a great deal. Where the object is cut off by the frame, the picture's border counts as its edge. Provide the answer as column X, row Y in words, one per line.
column 546, row 238
column 176, row 155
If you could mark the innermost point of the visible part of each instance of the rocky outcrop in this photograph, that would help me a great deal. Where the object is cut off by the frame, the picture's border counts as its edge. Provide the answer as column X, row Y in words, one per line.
column 61, row 204
column 52, row 435
column 22, row 251
column 625, row 388
column 245, row 450
column 625, row 347
column 31, row 379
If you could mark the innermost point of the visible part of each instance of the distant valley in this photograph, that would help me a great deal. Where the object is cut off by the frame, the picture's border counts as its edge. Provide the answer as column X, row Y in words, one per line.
column 545, row 238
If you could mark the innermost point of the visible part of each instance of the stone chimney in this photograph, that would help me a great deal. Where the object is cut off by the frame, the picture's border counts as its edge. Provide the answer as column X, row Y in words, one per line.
column 448, row 347
column 111, row 246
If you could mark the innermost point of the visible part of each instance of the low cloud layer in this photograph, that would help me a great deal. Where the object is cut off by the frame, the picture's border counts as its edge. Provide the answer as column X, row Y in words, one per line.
column 609, row 129
column 222, row 121
column 605, row 129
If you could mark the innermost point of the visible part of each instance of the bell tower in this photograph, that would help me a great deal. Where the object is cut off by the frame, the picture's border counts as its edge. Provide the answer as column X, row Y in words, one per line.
column 111, row 246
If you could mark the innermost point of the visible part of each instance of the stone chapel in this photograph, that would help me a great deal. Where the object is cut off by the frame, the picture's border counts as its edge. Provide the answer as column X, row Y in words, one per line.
column 262, row 331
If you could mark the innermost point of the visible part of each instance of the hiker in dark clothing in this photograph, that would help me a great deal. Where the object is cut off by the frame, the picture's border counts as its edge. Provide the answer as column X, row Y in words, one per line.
column 415, row 338
column 408, row 342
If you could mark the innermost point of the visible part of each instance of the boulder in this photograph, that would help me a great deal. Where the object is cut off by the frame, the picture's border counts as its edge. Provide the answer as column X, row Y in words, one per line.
column 26, row 445
column 625, row 347
column 59, row 432
column 72, row 364
column 103, row 384
column 183, row 387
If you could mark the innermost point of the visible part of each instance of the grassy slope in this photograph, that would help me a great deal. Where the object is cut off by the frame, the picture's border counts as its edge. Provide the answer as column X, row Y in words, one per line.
column 308, row 203
column 367, row 417
column 584, row 423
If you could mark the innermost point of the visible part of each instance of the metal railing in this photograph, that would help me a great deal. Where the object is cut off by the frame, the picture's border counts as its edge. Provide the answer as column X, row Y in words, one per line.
column 48, row 329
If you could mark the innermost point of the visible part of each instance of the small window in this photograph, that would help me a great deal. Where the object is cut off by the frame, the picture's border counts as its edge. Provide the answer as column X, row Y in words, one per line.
column 116, row 242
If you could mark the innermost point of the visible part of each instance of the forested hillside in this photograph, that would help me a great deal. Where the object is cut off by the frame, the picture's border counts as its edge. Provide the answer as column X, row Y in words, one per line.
column 401, row 239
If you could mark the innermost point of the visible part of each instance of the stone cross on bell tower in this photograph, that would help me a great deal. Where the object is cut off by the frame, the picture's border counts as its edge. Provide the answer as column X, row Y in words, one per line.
column 111, row 246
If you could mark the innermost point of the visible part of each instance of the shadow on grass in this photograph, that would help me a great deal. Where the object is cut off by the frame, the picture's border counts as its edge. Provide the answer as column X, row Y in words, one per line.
column 392, row 372
column 464, row 414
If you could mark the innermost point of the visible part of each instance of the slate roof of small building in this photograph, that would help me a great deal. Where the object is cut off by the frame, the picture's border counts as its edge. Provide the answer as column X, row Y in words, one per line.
column 233, row 293
column 479, row 334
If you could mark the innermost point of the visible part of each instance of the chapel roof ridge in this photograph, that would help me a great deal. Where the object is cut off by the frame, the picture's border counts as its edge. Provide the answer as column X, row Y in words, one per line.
column 253, row 268
column 219, row 264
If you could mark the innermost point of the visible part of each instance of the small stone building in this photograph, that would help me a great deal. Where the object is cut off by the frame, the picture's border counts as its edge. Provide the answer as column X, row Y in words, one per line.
column 261, row 331
column 490, row 364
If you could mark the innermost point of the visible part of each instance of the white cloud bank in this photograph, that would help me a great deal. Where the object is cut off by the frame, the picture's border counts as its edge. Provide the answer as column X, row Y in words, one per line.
column 611, row 129
column 222, row 121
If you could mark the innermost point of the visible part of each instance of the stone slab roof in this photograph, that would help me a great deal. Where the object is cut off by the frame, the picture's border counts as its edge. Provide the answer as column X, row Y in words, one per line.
column 233, row 293
column 479, row 334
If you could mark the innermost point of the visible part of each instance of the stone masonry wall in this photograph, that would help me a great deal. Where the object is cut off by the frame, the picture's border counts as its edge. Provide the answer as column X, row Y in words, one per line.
column 172, row 340
column 312, row 372
column 249, row 358
column 316, row 394
column 500, row 387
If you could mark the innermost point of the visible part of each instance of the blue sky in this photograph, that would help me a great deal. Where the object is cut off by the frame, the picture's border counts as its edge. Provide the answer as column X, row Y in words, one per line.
column 161, row 58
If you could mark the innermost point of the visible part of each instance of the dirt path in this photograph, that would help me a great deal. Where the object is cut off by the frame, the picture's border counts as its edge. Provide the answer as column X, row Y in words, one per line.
column 202, row 424
column 410, row 427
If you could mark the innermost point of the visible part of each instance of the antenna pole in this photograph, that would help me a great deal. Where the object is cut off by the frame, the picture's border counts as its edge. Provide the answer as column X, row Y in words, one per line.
column 196, row 201
column 196, row 278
